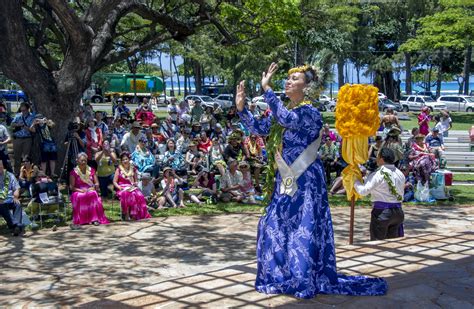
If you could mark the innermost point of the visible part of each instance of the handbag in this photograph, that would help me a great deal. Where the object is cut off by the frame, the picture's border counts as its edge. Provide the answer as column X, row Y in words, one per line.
column 48, row 146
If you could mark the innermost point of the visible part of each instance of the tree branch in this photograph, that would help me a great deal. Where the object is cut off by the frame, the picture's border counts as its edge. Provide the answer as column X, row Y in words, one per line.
column 74, row 26
column 147, row 43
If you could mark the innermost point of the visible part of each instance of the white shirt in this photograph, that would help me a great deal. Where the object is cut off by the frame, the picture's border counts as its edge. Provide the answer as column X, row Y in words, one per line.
column 443, row 125
column 131, row 141
column 377, row 187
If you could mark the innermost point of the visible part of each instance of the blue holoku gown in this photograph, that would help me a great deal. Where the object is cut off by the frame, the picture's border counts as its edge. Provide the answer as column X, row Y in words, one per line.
column 295, row 241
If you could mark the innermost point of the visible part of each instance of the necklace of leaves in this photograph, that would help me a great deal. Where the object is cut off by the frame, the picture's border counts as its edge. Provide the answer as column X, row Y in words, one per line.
column 274, row 144
column 390, row 184
column 6, row 185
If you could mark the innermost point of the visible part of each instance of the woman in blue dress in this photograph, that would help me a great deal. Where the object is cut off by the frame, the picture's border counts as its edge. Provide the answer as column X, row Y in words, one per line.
column 295, row 241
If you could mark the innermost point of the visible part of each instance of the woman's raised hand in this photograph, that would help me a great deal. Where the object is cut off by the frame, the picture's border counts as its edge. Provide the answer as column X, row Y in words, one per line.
column 267, row 76
column 240, row 96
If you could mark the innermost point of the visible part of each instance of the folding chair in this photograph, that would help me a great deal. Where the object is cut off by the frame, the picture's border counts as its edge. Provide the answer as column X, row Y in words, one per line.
column 46, row 200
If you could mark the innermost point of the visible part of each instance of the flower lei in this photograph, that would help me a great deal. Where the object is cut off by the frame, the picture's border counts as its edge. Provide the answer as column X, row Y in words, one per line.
column 6, row 186
column 84, row 177
column 275, row 144
column 390, row 184
column 128, row 173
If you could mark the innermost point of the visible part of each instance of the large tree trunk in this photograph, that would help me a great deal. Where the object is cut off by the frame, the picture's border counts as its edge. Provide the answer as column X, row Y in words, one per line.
column 407, row 73
column 340, row 72
column 177, row 76
column 197, row 77
column 185, row 69
column 56, row 94
column 467, row 69
column 171, row 71
column 438, row 82
column 162, row 73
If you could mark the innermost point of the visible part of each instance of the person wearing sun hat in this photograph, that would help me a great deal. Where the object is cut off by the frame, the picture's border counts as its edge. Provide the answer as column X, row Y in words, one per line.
column 394, row 142
column 234, row 148
column 130, row 139
column 247, row 187
column 195, row 129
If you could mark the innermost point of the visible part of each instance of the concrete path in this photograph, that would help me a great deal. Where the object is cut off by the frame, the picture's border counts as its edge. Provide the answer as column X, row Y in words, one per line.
column 210, row 262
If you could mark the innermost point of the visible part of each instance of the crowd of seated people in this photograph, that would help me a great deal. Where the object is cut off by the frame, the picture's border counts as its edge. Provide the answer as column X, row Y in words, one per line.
column 195, row 154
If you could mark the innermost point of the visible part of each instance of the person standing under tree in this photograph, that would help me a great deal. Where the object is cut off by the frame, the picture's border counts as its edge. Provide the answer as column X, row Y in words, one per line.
column 22, row 134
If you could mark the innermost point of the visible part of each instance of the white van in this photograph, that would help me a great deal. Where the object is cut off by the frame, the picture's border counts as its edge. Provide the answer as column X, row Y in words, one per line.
column 457, row 103
column 416, row 102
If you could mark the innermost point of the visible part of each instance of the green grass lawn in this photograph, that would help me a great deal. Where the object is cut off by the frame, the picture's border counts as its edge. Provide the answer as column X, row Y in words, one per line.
column 463, row 196
column 461, row 121
column 463, row 177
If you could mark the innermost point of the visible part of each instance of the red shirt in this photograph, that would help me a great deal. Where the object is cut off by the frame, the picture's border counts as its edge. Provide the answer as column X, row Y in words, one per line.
column 205, row 146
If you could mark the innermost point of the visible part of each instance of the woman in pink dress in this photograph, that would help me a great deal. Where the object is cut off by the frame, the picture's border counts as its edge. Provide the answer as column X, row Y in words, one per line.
column 132, row 201
column 86, row 204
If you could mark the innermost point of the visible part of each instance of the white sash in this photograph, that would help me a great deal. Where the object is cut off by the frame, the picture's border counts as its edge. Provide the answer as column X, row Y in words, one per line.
column 290, row 174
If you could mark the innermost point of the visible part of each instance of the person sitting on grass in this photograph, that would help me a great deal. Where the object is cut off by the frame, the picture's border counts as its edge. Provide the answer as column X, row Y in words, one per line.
column 231, row 182
column 194, row 159
column 147, row 187
column 173, row 195
column 204, row 186
column 246, row 187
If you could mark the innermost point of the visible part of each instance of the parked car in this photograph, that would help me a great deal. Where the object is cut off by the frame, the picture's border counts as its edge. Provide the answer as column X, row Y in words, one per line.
column 331, row 105
column 381, row 95
column 416, row 102
column 13, row 95
column 385, row 104
column 457, row 103
column 225, row 100
column 324, row 98
column 163, row 99
column 204, row 99
column 427, row 93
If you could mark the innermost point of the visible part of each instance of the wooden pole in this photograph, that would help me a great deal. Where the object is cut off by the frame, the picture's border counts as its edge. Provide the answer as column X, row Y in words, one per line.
column 351, row 223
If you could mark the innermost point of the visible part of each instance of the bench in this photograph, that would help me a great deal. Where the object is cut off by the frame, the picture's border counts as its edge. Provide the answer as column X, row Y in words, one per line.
column 459, row 161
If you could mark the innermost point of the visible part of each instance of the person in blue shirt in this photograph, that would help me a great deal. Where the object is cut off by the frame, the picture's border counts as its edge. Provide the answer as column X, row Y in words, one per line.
column 10, row 208
column 435, row 140
column 22, row 126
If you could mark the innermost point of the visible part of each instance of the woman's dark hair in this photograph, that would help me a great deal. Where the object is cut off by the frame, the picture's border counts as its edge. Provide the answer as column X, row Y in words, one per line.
column 387, row 155
column 125, row 154
column 167, row 143
column 378, row 138
column 310, row 76
column 26, row 158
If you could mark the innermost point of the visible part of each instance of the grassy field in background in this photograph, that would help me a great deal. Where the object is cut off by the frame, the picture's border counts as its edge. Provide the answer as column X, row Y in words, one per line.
column 461, row 121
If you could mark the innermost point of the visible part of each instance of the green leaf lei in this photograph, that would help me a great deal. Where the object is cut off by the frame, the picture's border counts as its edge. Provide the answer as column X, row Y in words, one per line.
column 6, row 185
column 274, row 144
column 391, row 186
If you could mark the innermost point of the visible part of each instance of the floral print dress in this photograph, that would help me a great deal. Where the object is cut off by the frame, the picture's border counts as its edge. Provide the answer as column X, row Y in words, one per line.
column 295, row 241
